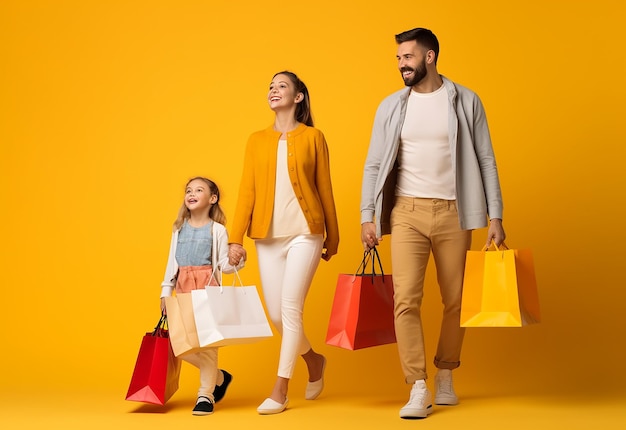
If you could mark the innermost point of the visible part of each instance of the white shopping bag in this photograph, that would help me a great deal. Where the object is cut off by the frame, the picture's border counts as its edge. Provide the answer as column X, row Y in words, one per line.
column 229, row 315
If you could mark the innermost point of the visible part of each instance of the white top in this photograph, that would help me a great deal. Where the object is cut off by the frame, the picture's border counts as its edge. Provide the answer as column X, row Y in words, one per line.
column 287, row 216
column 425, row 161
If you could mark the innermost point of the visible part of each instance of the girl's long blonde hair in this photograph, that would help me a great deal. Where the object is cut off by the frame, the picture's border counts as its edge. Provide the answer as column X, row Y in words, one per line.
column 215, row 213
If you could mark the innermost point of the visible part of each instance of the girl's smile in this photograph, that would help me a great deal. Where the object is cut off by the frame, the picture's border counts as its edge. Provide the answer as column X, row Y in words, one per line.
column 198, row 196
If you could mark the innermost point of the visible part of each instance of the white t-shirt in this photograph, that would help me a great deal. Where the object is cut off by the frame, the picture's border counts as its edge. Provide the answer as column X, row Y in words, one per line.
column 425, row 160
column 287, row 218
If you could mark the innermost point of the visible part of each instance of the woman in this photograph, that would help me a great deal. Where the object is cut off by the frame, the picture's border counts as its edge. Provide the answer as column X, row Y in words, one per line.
column 286, row 205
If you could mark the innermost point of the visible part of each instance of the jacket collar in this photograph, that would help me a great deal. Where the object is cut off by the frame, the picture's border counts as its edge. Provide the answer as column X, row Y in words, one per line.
column 298, row 130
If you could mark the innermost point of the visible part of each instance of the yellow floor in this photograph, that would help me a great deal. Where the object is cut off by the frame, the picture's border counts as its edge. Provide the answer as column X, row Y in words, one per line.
column 101, row 409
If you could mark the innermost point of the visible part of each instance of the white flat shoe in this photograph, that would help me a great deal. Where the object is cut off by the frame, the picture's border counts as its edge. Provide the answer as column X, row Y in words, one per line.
column 314, row 389
column 269, row 407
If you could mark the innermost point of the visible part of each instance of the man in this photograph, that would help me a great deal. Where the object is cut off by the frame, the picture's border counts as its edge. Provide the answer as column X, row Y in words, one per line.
column 430, row 178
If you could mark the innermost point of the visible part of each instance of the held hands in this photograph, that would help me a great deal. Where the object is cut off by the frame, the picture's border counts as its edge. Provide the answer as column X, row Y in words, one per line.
column 495, row 232
column 235, row 253
column 368, row 235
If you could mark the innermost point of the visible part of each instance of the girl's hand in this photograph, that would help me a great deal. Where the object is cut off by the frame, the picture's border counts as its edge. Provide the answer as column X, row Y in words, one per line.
column 163, row 311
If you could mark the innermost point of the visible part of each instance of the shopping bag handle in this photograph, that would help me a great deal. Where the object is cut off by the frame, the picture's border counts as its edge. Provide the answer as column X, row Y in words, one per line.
column 161, row 326
column 219, row 281
column 502, row 246
column 213, row 276
column 367, row 255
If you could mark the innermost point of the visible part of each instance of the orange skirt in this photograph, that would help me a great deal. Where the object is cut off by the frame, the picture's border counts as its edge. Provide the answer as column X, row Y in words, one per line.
column 194, row 278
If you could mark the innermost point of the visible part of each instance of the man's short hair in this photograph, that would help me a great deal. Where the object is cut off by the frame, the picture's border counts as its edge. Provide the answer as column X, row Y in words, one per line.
column 423, row 36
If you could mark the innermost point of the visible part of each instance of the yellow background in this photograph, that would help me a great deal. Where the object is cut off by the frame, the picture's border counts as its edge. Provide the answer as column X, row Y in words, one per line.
column 108, row 107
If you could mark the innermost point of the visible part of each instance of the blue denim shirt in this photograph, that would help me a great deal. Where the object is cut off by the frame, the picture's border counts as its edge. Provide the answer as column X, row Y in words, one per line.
column 194, row 245
column 219, row 257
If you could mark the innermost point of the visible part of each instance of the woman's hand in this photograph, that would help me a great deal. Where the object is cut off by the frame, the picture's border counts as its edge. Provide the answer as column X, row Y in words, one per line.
column 235, row 253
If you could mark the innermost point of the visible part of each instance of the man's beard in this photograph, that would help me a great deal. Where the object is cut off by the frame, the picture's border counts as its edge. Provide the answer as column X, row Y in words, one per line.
column 419, row 73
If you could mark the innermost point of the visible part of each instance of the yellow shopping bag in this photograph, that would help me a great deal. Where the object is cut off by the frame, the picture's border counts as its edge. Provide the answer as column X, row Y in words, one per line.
column 499, row 289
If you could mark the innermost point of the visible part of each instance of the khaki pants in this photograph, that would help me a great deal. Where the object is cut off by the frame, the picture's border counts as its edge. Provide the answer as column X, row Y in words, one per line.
column 419, row 227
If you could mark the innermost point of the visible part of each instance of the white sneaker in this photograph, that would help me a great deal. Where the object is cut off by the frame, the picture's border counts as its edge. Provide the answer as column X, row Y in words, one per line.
column 444, row 391
column 420, row 404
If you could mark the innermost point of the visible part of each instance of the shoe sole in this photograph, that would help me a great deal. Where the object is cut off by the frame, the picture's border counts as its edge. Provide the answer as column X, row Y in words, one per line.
column 417, row 414
column 446, row 402
column 271, row 412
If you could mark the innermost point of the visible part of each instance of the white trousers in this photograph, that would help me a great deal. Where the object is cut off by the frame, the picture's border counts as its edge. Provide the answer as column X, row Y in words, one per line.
column 287, row 266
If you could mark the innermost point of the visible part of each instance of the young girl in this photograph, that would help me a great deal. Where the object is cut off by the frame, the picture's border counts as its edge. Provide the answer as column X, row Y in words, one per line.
column 286, row 203
column 199, row 246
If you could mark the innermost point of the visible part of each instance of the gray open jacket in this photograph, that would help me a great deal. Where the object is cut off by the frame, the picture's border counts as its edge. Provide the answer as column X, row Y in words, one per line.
column 477, row 185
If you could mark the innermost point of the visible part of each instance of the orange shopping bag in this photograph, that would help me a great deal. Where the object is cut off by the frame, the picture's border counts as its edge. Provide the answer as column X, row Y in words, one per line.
column 499, row 289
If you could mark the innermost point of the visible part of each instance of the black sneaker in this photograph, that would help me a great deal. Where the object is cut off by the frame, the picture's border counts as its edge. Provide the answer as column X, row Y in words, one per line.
column 204, row 406
column 220, row 390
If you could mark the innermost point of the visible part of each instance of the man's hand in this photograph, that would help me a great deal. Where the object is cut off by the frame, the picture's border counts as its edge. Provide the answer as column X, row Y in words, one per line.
column 495, row 232
column 368, row 235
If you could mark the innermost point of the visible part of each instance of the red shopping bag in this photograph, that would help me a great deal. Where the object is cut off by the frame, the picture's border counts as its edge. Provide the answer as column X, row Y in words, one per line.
column 155, row 378
column 362, row 313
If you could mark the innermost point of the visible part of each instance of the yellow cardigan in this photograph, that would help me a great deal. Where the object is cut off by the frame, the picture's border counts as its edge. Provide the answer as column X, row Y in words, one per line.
column 309, row 172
